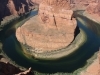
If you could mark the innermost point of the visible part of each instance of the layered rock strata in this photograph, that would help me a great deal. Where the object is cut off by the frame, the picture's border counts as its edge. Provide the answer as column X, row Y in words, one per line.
column 93, row 11
column 52, row 29
column 11, row 7
column 93, row 8
column 8, row 69
column 81, row 4
column 15, row 7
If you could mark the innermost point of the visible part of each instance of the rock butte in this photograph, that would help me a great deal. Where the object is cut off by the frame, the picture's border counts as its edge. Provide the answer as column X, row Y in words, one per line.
column 52, row 29
column 92, row 9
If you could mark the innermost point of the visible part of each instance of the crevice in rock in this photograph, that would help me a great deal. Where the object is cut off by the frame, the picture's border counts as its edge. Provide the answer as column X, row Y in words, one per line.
column 77, row 31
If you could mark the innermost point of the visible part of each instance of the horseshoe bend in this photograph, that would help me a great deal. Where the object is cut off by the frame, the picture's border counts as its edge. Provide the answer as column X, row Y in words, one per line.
column 61, row 36
column 52, row 29
column 55, row 34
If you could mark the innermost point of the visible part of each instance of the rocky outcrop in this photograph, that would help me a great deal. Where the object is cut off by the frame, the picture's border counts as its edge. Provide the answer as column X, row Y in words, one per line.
column 27, row 72
column 53, row 13
column 8, row 69
column 93, row 11
column 11, row 7
column 93, row 8
column 22, row 6
column 15, row 7
column 52, row 29
column 76, row 4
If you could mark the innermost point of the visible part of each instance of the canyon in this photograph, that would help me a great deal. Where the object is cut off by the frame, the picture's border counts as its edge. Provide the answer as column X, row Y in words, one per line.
column 15, row 7
column 52, row 29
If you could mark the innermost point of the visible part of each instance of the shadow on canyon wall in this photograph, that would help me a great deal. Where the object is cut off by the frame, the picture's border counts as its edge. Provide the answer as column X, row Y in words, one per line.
column 5, row 10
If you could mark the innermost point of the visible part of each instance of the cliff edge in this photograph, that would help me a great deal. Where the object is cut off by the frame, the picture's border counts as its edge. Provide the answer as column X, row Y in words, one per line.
column 52, row 29
column 15, row 7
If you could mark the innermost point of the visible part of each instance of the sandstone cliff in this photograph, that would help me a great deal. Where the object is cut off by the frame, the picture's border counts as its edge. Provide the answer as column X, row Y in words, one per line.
column 8, row 69
column 81, row 4
column 52, row 29
column 94, row 8
column 93, row 11
column 15, row 7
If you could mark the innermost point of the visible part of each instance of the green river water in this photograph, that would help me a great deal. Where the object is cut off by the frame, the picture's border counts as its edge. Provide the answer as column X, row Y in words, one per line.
column 70, row 63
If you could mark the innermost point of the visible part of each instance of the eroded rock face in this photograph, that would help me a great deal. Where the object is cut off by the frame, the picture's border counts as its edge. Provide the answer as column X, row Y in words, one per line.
column 81, row 4
column 14, row 7
column 55, row 12
column 27, row 72
column 93, row 11
column 52, row 29
column 94, row 8
column 11, row 7
column 8, row 69
column 91, row 8
column 22, row 6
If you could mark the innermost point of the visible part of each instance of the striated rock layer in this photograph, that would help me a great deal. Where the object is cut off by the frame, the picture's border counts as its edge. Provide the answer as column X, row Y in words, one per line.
column 93, row 8
column 52, row 29
column 15, row 7
column 7, row 68
column 93, row 11
column 81, row 4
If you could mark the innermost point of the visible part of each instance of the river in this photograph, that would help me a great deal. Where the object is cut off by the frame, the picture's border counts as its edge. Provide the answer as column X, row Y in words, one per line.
column 13, row 49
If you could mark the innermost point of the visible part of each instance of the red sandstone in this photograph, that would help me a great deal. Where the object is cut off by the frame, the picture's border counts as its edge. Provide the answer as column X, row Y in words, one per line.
column 11, row 7
column 92, row 9
column 52, row 29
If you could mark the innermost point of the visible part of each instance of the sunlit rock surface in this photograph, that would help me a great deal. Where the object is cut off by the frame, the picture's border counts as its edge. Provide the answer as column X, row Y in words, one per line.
column 81, row 4
column 15, row 7
column 93, row 12
column 51, row 22
column 52, row 29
